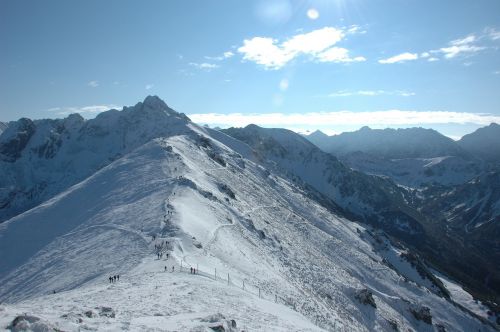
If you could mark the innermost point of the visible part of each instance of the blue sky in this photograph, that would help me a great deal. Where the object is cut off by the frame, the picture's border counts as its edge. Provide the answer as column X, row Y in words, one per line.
column 333, row 65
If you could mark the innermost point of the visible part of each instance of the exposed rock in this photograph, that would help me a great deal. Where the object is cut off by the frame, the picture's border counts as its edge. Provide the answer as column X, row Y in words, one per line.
column 106, row 312
column 421, row 313
column 90, row 314
column 440, row 328
column 365, row 296
column 30, row 323
column 219, row 323
column 393, row 324
column 224, row 188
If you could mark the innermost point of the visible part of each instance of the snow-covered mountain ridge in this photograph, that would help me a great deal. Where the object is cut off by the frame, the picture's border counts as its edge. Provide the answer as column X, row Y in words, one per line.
column 220, row 211
column 418, row 217
column 415, row 157
column 454, row 184
column 41, row 158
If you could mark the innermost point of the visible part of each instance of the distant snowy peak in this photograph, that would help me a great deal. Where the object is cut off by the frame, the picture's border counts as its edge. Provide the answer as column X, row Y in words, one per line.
column 394, row 143
column 483, row 143
column 319, row 138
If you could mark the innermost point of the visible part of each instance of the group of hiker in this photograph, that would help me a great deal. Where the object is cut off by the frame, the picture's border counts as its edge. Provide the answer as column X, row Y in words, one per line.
column 114, row 278
column 159, row 255
column 193, row 270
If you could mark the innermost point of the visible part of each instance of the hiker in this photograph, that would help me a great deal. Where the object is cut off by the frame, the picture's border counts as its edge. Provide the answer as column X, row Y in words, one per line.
column 165, row 268
column 110, row 280
column 118, row 277
column 172, row 268
column 194, row 270
column 114, row 278
column 167, row 255
column 191, row 271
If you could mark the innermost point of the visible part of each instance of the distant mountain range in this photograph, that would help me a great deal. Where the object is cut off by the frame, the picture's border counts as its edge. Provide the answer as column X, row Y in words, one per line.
column 484, row 143
column 389, row 143
column 454, row 183
column 353, row 238
column 411, row 143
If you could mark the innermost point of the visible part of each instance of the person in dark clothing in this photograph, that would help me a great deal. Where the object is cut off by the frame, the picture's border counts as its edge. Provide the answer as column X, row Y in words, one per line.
column 110, row 280
column 118, row 277
column 191, row 271
column 165, row 269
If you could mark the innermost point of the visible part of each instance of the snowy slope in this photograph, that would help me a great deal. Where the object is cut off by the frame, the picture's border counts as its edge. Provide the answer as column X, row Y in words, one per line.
column 222, row 213
column 418, row 172
column 372, row 199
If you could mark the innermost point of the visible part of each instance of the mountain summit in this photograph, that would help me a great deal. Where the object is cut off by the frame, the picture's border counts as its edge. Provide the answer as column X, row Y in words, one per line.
column 66, row 151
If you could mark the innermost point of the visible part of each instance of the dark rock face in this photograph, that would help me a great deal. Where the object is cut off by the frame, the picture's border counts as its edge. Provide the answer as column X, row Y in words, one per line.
column 106, row 312
column 365, row 296
column 11, row 149
column 421, row 313
column 29, row 323
column 218, row 322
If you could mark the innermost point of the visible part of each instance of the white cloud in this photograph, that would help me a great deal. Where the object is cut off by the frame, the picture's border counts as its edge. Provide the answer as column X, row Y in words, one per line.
column 312, row 13
column 492, row 33
column 400, row 58
column 149, row 86
column 205, row 65
column 468, row 45
column 461, row 46
column 463, row 41
column 225, row 55
column 84, row 110
column 345, row 93
column 93, row 84
column 318, row 44
column 355, row 29
column 338, row 54
column 345, row 118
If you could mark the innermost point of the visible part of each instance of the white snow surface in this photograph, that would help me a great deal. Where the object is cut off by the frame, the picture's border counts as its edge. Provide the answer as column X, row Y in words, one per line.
column 220, row 213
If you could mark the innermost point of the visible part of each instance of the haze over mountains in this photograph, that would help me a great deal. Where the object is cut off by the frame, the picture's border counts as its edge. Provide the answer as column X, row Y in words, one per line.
column 285, row 236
